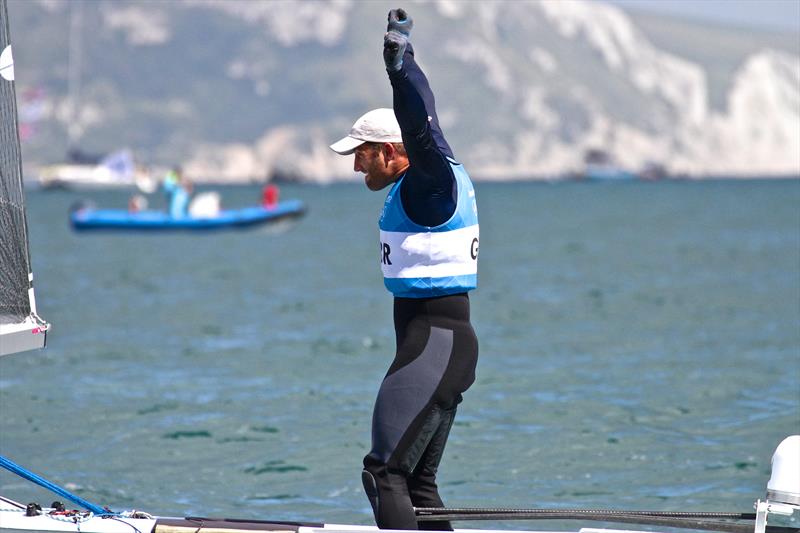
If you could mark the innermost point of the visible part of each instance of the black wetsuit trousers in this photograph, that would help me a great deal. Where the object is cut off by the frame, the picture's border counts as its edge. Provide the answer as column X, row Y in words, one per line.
column 435, row 362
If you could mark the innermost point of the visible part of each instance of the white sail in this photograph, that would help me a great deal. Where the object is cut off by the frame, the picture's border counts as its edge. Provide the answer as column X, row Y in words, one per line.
column 21, row 328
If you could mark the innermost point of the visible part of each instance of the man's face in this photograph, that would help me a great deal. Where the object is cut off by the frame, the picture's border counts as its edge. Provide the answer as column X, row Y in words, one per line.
column 370, row 161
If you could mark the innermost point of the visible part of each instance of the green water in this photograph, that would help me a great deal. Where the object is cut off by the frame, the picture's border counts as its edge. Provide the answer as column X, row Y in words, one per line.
column 640, row 348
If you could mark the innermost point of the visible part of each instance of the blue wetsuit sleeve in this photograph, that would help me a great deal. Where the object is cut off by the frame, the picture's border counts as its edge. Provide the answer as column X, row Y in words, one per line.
column 427, row 188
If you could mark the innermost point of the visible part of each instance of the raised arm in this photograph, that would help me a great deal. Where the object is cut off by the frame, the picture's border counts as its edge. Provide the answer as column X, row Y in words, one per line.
column 415, row 108
column 428, row 188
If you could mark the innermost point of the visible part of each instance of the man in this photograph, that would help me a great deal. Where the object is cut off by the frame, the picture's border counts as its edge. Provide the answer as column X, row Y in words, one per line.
column 179, row 192
column 428, row 253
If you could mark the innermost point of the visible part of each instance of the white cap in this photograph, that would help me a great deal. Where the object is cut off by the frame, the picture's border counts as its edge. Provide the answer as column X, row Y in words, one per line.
column 378, row 125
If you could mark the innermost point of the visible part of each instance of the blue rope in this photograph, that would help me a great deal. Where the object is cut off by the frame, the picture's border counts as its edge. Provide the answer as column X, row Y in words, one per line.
column 30, row 476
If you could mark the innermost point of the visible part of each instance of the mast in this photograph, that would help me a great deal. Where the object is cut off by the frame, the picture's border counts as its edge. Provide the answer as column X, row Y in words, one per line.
column 20, row 327
column 74, row 65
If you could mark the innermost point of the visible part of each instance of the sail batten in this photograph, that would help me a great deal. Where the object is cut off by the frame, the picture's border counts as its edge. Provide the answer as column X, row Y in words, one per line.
column 20, row 328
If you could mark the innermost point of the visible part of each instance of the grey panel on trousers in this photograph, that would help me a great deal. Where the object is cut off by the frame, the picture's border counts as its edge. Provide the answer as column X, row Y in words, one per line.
column 404, row 393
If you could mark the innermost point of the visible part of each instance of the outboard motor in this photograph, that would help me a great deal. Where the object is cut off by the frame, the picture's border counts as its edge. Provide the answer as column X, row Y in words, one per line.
column 783, row 488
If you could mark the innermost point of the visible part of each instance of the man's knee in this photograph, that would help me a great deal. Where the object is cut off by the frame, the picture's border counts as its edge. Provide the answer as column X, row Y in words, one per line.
column 381, row 476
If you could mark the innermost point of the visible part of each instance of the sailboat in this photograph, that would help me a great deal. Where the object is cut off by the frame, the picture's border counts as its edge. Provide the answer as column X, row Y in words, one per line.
column 116, row 170
column 22, row 329
column 87, row 171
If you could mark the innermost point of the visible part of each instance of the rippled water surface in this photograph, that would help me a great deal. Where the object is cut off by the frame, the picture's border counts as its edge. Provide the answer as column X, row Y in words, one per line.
column 640, row 348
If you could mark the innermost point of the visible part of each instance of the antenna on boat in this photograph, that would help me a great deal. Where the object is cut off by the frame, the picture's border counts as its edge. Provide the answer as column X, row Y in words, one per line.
column 74, row 66
column 783, row 488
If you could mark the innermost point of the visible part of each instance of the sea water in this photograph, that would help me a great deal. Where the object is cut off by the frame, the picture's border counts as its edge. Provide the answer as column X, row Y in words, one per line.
column 639, row 349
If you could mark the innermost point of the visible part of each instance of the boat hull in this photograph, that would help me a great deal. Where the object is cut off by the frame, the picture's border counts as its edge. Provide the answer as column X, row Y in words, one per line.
column 27, row 335
column 121, row 220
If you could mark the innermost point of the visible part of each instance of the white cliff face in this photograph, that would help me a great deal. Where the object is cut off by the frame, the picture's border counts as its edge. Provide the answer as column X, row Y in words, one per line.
column 288, row 151
column 628, row 54
column 758, row 133
column 761, row 130
column 524, row 88
column 289, row 22
column 657, row 109
column 143, row 26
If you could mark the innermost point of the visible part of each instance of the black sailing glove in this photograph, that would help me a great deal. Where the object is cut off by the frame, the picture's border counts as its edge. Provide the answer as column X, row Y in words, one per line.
column 396, row 39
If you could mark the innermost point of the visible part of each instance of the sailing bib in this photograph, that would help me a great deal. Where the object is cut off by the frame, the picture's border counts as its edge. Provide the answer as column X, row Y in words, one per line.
column 421, row 261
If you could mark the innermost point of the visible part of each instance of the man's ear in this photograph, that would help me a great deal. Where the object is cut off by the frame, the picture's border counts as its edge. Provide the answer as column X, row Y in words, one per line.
column 389, row 151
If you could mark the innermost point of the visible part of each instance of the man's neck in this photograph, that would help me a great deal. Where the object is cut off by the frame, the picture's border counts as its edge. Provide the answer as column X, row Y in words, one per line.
column 401, row 171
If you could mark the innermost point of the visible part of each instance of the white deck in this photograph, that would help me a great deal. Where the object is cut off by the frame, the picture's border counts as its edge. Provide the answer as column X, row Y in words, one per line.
column 14, row 519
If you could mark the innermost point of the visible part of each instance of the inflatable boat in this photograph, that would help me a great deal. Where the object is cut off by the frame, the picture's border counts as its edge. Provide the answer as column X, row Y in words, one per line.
column 88, row 218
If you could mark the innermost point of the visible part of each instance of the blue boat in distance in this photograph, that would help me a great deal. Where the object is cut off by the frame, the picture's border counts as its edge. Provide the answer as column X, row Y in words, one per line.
column 87, row 218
